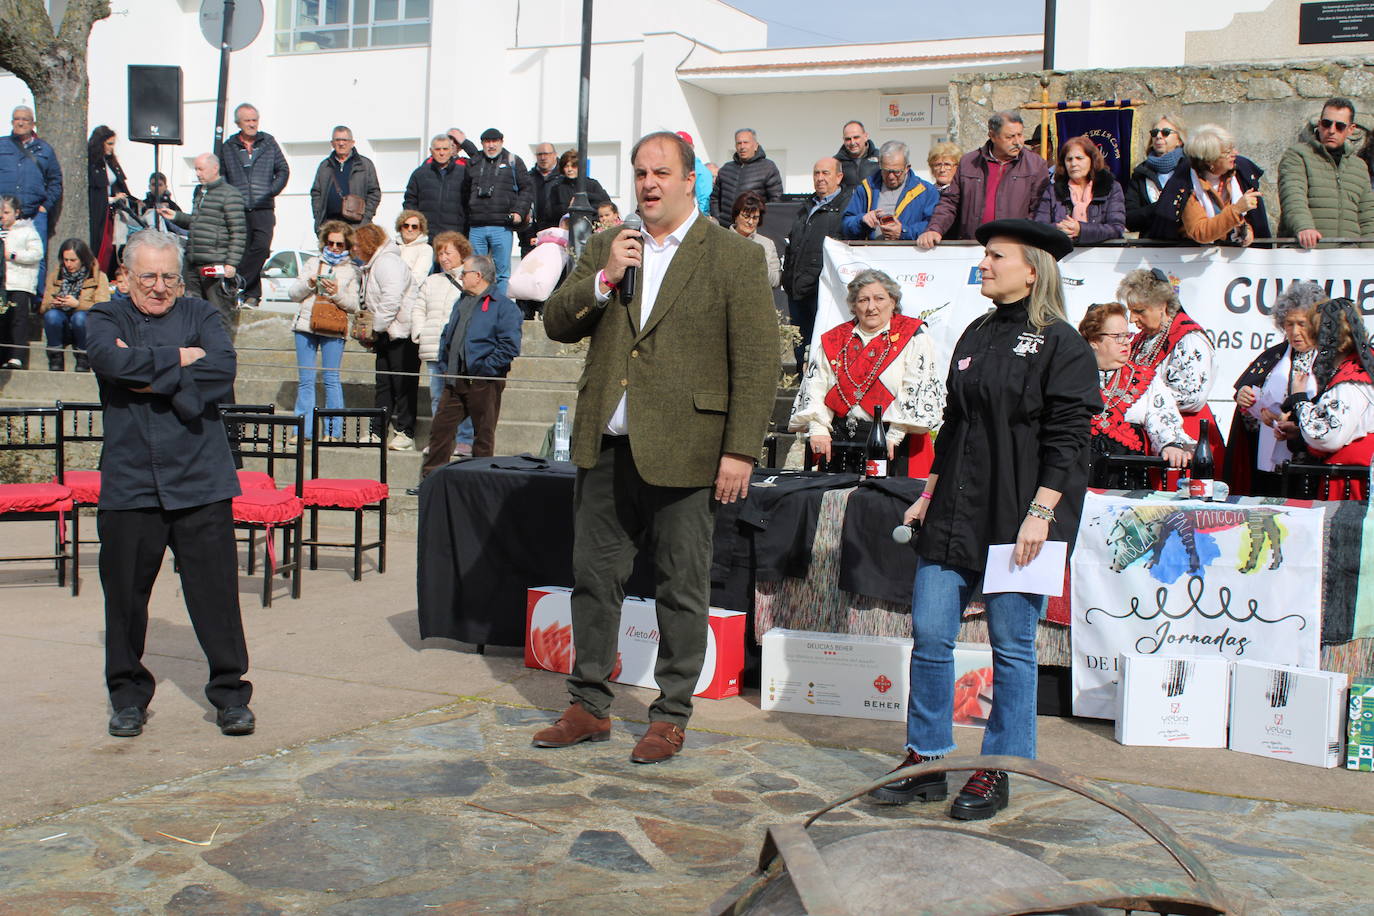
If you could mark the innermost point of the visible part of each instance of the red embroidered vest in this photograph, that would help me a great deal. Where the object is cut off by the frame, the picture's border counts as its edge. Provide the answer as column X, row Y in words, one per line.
column 1180, row 326
column 1112, row 421
column 857, row 366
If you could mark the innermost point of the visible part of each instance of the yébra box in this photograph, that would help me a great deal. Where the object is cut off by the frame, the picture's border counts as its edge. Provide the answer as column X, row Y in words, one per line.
column 1164, row 701
column 1288, row 713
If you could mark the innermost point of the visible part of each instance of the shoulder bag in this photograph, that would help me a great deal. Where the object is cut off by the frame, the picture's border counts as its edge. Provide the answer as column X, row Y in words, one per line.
column 325, row 315
column 352, row 206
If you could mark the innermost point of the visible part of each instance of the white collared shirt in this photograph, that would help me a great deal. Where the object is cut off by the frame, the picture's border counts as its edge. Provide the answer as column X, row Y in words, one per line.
column 657, row 258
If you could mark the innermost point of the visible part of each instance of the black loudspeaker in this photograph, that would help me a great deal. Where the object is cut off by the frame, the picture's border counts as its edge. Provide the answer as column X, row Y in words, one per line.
column 155, row 104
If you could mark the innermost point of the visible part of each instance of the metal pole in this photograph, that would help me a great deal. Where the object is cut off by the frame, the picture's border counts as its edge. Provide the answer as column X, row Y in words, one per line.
column 1048, row 62
column 223, row 97
column 580, row 209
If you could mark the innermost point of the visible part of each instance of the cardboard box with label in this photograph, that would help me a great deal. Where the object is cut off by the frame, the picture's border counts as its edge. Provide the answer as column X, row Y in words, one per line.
column 835, row 674
column 1164, row 701
column 1288, row 713
column 549, row 643
column 1359, row 749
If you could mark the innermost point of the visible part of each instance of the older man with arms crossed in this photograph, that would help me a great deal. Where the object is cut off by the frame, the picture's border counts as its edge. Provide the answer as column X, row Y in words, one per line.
column 163, row 362
column 681, row 376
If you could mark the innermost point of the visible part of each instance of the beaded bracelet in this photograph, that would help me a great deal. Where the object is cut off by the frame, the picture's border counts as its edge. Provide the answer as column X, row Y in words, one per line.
column 1042, row 512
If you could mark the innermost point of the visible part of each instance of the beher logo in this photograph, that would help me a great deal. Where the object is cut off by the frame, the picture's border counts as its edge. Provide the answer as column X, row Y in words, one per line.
column 882, row 684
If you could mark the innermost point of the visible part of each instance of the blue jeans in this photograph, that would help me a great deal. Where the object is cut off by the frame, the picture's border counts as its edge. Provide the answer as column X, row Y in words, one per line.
column 40, row 225
column 436, row 392
column 493, row 241
column 331, row 355
column 57, row 321
column 938, row 599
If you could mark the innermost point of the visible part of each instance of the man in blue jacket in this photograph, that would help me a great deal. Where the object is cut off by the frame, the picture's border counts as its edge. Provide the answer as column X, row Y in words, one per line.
column 894, row 203
column 481, row 339
column 29, row 170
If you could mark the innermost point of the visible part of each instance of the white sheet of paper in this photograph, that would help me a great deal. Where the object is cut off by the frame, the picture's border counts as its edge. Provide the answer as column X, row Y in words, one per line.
column 1044, row 575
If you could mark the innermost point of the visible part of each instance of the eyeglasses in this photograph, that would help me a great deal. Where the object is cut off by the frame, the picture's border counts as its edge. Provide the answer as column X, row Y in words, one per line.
column 1328, row 124
column 1162, row 132
column 893, row 171
column 148, row 281
column 336, row 246
column 1123, row 337
column 415, row 226
column 748, row 217
column 941, row 166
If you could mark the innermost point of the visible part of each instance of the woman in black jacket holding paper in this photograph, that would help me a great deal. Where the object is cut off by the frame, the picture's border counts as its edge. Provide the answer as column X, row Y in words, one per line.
column 1011, row 467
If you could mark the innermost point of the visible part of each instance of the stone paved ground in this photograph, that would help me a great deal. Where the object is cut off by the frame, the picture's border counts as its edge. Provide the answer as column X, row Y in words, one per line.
column 451, row 811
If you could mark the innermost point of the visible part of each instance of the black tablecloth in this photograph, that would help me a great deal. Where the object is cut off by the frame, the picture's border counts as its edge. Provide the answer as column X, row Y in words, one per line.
column 491, row 528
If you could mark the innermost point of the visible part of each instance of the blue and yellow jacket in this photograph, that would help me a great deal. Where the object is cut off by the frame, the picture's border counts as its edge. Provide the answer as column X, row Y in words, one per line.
column 915, row 206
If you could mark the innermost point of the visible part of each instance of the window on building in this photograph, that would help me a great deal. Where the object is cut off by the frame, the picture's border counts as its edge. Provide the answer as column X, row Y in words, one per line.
column 334, row 25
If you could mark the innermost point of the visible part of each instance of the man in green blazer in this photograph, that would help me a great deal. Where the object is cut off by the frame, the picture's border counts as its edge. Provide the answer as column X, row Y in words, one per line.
column 672, row 408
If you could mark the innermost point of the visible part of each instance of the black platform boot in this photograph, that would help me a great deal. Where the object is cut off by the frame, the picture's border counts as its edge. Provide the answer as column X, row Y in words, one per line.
column 82, row 364
column 927, row 787
column 985, row 793
column 57, row 360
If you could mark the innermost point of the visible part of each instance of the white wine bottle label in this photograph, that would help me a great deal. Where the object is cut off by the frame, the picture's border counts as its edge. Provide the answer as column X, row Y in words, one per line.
column 875, row 467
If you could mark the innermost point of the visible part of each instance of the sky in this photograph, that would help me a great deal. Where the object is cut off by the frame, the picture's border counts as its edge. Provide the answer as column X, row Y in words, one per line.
column 800, row 23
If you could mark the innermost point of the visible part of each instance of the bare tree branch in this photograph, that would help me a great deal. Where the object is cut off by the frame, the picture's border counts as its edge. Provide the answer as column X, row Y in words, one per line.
column 77, row 22
column 26, row 33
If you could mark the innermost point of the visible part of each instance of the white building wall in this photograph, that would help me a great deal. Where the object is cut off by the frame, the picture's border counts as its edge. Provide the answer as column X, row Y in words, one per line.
column 1109, row 34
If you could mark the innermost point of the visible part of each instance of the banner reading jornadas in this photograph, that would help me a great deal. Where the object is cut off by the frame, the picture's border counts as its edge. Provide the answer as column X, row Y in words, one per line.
column 1167, row 577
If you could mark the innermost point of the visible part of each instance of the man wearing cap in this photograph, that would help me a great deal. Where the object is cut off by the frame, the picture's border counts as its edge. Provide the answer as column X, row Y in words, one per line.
column 1011, row 467
column 705, row 180
column 500, row 195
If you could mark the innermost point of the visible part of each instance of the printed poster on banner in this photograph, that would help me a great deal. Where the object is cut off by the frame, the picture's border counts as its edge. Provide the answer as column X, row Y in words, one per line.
column 1229, row 291
column 1180, row 578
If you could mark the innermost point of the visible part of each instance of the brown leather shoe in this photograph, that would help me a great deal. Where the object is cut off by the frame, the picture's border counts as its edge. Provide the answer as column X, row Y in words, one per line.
column 573, row 727
column 661, row 741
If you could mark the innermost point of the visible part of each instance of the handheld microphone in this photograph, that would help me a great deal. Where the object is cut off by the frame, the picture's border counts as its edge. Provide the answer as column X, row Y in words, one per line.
column 627, row 282
column 903, row 533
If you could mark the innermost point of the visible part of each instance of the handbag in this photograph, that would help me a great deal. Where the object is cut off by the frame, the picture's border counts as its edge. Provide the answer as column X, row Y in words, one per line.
column 326, row 317
column 352, row 206
column 361, row 329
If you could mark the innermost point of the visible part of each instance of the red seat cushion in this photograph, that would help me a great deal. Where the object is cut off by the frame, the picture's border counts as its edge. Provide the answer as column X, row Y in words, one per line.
column 35, row 497
column 85, row 486
column 267, row 507
column 343, row 493
column 256, row 480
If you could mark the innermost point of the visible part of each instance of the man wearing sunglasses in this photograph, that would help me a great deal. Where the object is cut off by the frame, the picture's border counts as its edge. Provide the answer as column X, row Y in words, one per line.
column 1323, row 186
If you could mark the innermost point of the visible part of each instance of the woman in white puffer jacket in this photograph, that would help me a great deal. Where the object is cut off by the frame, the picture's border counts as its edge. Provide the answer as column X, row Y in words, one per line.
column 438, row 294
column 330, row 276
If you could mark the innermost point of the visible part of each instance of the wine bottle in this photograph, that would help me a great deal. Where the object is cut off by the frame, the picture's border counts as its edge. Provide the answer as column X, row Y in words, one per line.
column 1200, row 485
column 875, row 449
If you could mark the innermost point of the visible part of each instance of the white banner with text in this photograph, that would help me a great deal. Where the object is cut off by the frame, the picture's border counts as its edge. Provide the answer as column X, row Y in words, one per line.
column 1229, row 291
column 1170, row 578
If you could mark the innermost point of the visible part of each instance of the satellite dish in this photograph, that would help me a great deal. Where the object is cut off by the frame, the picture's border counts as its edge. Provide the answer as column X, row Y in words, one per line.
column 243, row 29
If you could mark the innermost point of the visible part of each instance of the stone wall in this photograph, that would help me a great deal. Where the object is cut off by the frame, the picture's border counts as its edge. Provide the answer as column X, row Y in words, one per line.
column 1263, row 105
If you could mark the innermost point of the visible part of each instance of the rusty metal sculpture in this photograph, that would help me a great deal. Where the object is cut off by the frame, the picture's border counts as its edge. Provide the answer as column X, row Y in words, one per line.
column 789, row 855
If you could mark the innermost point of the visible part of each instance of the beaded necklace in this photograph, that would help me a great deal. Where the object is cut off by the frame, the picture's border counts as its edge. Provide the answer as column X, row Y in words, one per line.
column 861, row 388
column 1150, row 349
column 1116, row 385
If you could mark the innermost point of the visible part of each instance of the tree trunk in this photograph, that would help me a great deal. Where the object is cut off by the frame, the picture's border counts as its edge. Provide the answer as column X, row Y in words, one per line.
column 52, row 63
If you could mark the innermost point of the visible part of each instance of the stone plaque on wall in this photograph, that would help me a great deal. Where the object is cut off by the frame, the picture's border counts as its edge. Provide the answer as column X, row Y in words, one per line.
column 1331, row 21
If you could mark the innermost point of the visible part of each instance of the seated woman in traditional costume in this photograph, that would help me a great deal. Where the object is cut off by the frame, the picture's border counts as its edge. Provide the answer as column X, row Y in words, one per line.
column 1173, row 345
column 881, row 358
column 1139, row 415
column 1337, row 424
column 1254, row 455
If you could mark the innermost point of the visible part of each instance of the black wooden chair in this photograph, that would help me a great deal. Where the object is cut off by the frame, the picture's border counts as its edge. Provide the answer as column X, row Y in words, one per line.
column 1325, row 481
column 350, row 427
column 265, row 437
column 82, row 422
column 39, row 429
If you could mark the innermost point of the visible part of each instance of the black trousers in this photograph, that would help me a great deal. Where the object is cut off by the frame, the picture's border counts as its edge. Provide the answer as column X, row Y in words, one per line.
column 14, row 328
column 398, row 381
column 261, row 224
column 132, row 544
column 462, row 398
column 213, row 291
column 616, row 513
column 802, row 313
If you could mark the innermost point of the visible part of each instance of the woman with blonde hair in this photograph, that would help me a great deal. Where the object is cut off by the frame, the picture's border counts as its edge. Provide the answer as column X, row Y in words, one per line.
column 1010, row 468
column 943, row 162
column 1151, row 176
column 1216, row 200
column 416, row 251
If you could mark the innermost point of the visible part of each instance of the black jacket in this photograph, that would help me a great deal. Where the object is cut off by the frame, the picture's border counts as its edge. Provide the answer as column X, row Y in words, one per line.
column 165, row 448
column 1168, row 216
column 561, row 194
column 325, row 199
column 1140, row 212
column 737, row 176
column 1018, row 418
column 493, row 189
column 804, row 256
column 540, row 189
column 856, row 169
column 437, row 192
column 99, row 193
column 261, row 176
